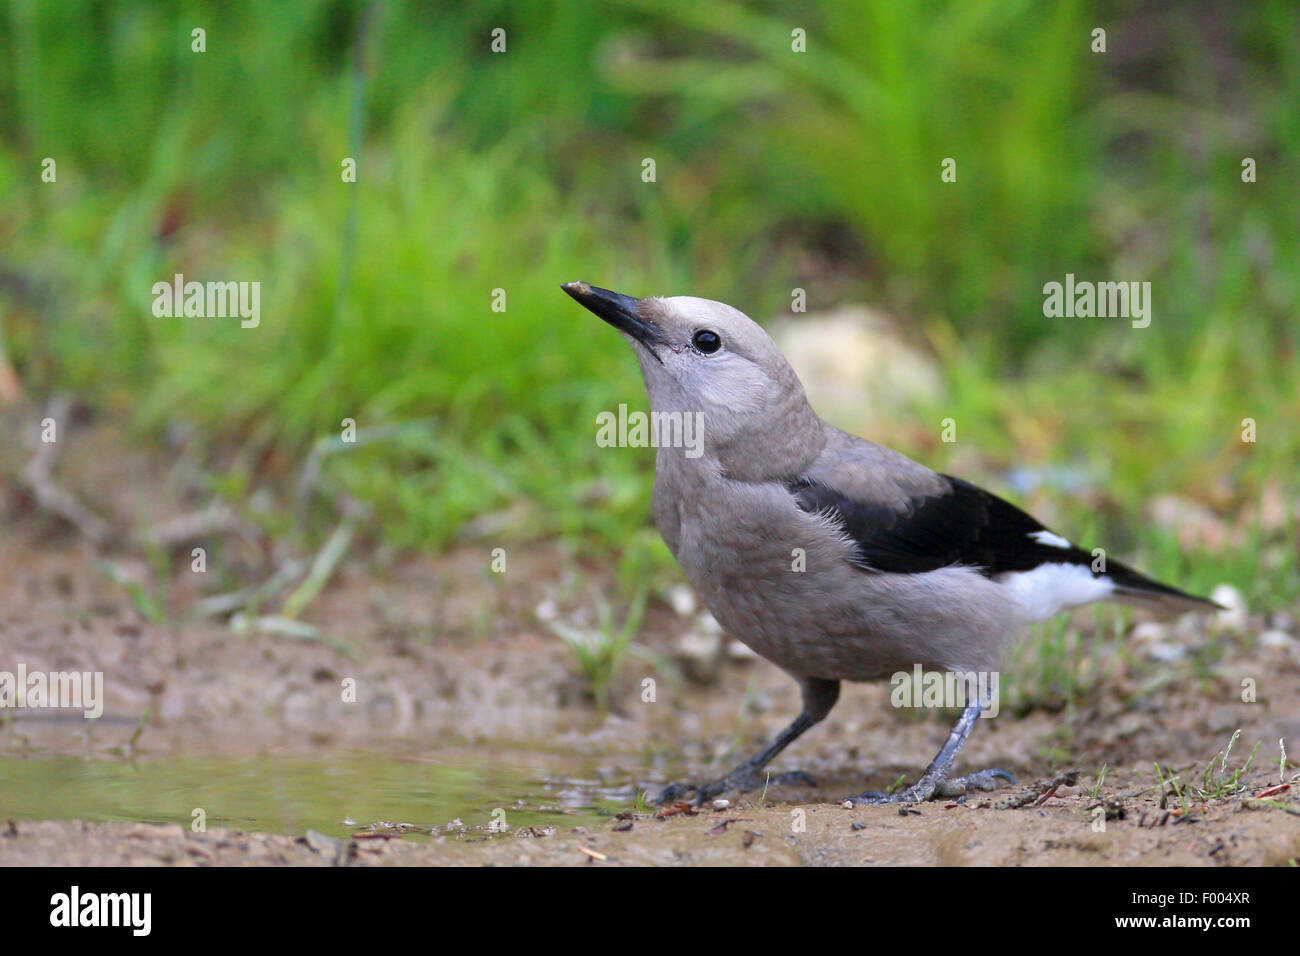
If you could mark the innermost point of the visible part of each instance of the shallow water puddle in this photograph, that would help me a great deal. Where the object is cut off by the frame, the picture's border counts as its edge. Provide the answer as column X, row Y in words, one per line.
column 337, row 796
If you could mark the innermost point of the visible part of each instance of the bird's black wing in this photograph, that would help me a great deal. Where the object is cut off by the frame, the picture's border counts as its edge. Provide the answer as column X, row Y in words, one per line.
column 963, row 525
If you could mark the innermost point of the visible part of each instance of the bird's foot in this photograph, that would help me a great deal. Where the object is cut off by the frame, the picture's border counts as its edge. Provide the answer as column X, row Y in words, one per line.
column 930, row 787
column 740, row 780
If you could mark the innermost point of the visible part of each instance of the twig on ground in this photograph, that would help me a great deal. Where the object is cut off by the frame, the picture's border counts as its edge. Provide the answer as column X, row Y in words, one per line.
column 1039, row 793
column 287, row 627
column 216, row 518
column 49, row 496
column 253, row 596
column 1255, row 803
column 324, row 565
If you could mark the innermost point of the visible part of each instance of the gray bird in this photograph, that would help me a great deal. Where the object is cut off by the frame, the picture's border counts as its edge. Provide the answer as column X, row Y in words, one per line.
column 833, row 557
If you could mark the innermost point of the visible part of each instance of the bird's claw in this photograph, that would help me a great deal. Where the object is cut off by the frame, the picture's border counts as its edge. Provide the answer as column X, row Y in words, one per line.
column 927, row 788
column 742, row 781
column 674, row 792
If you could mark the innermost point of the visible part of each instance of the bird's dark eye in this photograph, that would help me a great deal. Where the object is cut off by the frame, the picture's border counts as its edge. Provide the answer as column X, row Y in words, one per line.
column 707, row 341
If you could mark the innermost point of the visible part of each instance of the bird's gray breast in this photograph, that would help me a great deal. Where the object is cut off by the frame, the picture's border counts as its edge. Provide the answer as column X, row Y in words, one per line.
column 775, row 577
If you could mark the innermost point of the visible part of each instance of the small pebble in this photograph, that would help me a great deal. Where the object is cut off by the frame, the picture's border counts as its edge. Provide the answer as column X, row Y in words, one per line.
column 1164, row 652
column 721, row 804
column 707, row 623
column 740, row 652
column 682, row 599
column 1235, row 617
column 1149, row 632
column 701, row 655
column 1277, row 638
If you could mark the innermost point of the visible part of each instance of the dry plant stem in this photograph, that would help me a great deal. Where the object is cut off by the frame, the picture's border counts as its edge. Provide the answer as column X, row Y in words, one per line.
column 216, row 518
column 49, row 496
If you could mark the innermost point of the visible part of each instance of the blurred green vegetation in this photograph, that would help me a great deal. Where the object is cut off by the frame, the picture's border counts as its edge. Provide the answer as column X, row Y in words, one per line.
column 519, row 170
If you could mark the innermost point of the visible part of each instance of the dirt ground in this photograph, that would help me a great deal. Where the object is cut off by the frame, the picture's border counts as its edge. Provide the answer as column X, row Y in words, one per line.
column 929, row 835
column 448, row 655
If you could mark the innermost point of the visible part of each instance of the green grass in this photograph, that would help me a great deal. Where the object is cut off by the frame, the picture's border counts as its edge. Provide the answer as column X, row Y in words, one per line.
column 1101, row 778
column 1217, row 782
column 776, row 170
column 599, row 652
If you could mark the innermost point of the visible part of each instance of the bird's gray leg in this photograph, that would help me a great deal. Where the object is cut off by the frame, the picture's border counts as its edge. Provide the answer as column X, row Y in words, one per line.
column 819, row 696
column 934, row 782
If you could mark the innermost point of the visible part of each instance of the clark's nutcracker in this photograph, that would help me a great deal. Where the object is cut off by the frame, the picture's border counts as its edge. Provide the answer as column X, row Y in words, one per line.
column 900, row 565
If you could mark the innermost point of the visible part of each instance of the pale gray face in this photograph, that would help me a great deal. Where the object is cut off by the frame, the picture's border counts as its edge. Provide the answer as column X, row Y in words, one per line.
column 697, row 355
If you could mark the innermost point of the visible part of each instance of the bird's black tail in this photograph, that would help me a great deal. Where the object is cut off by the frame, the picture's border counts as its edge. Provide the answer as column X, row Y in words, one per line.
column 1137, row 589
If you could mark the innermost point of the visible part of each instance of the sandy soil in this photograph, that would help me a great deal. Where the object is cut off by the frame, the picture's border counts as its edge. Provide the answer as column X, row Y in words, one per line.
column 451, row 655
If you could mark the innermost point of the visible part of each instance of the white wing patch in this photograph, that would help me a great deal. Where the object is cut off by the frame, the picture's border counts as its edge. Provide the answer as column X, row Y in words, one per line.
column 1046, row 537
column 1050, row 588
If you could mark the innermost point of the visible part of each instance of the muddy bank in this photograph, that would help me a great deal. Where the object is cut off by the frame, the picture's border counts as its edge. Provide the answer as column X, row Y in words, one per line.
column 454, row 668
column 1059, row 832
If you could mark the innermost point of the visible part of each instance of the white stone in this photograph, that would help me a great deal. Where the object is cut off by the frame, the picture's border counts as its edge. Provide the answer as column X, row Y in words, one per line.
column 740, row 652
column 1235, row 617
column 1148, row 632
column 1277, row 638
column 682, row 600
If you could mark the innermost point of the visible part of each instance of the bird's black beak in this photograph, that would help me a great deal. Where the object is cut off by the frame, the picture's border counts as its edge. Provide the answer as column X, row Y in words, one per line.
column 618, row 310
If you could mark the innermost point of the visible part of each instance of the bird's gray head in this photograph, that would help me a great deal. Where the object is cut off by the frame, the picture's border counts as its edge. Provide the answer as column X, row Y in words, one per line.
column 701, row 356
